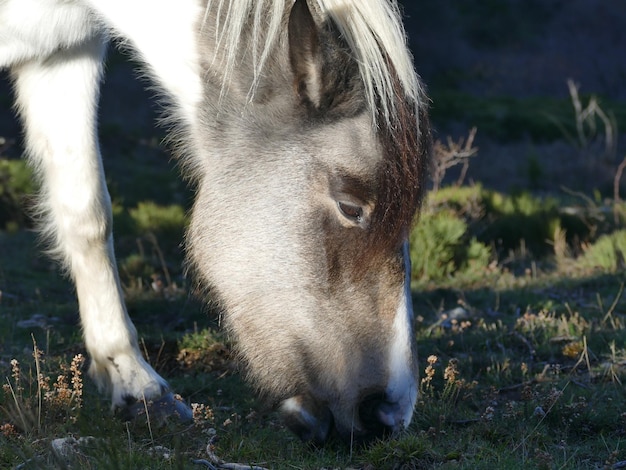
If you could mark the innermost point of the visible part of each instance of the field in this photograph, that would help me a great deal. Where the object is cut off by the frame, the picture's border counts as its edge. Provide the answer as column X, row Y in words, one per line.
column 520, row 330
column 518, row 289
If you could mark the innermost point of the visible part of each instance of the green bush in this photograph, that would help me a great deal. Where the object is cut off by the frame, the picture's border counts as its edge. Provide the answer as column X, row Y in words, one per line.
column 148, row 217
column 200, row 340
column 16, row 187
column 608, row 252
column 441, row 247
column 507, row 221
column 466, row 200
column 148, row 243
column 463, row 229
column 513, row 219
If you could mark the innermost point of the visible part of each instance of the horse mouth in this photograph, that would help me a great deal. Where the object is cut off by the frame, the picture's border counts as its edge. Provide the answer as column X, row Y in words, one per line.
column 308, row 420
column 316, row 423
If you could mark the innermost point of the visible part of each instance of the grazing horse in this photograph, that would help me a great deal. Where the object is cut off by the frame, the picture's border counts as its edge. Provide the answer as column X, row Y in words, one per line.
column 303, row 127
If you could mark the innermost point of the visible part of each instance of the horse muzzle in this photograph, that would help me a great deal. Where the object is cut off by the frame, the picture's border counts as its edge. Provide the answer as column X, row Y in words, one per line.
column 375, row 417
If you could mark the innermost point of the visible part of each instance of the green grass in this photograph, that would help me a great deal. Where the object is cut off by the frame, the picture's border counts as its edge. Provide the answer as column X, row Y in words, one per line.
column 529, row 376
column 536, row 365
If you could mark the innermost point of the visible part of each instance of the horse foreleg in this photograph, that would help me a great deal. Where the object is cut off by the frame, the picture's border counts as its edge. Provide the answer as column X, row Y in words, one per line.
column 57, row 100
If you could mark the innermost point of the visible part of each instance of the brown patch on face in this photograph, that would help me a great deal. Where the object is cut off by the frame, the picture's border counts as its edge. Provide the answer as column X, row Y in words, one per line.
column 407, row 143
column 395, row 192
column 404, row 136
column 353, row 266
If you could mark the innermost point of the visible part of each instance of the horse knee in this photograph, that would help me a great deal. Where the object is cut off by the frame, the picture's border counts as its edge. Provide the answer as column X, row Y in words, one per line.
column 75, row 223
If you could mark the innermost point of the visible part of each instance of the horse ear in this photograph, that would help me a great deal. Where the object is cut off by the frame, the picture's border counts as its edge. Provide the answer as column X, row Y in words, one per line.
column 305, row 55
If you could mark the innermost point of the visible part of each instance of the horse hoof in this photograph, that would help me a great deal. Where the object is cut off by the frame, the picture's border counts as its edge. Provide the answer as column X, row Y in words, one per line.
column 161, row 410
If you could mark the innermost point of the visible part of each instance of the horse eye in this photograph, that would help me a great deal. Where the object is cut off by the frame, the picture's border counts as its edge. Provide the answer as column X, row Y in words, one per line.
column 352, row 212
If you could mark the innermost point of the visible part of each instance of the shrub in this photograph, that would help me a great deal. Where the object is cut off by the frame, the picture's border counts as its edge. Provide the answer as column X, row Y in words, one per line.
column 608, row 252
column 521, row 217
column 16, row 186
column 461, row 227
column 441, row 246
column 151, row 217
column 149, row 245
column 510, row 220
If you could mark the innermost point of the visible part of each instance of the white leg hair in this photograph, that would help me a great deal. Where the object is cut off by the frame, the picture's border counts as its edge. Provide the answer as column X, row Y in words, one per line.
column 57, row 100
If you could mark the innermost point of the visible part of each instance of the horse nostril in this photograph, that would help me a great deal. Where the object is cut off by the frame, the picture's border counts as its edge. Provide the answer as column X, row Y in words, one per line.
column 371, row 412
column 381, row 417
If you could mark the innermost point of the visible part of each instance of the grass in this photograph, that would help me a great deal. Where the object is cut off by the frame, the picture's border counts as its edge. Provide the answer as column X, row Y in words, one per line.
column 520, row 331
column 528, row 376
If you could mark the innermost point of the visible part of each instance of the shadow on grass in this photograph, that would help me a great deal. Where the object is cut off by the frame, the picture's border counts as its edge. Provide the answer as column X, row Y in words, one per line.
column 528, row 374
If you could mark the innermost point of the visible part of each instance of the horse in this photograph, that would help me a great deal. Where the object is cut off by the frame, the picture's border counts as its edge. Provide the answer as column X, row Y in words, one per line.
column 303, row 128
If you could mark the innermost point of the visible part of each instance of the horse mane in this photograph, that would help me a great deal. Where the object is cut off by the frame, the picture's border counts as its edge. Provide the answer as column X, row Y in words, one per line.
column 375, row 35
column 372, row 29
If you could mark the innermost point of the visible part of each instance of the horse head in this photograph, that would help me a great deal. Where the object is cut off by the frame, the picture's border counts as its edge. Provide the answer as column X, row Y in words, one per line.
column 300, row 228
